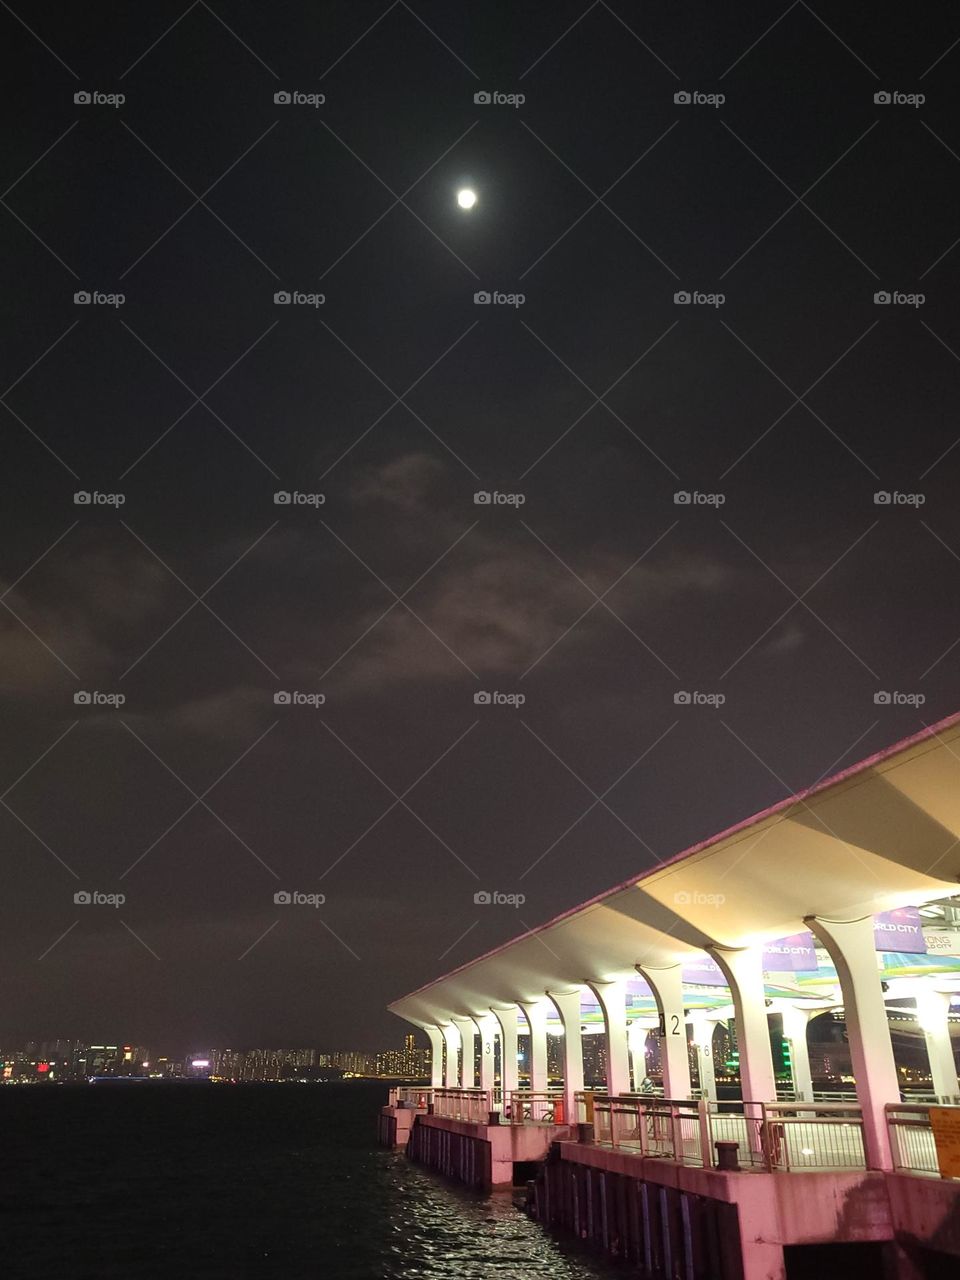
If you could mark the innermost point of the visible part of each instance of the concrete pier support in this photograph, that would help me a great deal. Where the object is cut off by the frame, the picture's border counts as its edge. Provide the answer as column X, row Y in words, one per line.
column 743, row 970
column 487, row 1027
column 509, row 1080
column 795, row 1022
column 852, row 949
column 667, row 988
column 536, row 1015
column 703, row 1029
column 435, row 1036
column 612, row 997
column 568, row 1007
column 451, row 1040
column 933, row 1009
column 468, row 1032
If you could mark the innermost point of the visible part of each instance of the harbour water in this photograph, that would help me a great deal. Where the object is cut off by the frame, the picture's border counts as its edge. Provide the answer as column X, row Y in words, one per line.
column 221, row 1182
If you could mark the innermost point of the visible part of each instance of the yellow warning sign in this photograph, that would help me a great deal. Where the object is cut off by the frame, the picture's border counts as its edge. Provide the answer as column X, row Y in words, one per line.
column 945, row 1123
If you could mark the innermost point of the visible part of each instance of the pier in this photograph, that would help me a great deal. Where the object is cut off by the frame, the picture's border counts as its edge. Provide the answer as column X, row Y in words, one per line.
column 839, row 901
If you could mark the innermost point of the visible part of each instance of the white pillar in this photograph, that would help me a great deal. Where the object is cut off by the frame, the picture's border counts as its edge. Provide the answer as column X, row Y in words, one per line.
column 468, row 1033
column 933, row 1009
column 451, row 1039
column 487, row 1027
column 667, row 988
column 703, row 1029
column 536, row 1015
column 795, row 1022
column 613, row 1005
column 850, row 944
column 507, row 1019
column 568, row 1007
column 435, row 1036
column 743, row 970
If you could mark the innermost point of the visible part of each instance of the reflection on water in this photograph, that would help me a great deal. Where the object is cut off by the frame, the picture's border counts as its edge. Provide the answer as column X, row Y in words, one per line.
column 149, row 1182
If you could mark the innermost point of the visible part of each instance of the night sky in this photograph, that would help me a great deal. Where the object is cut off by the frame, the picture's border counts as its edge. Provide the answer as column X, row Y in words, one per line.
column 598, row 398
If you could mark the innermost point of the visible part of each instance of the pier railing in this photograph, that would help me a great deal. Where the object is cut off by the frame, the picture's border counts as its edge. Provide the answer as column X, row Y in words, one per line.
column 462, row 1104
column 812, row 1135
column 418, row 1097
column 911, row 1138
column 535, row 1106
column 771, row 1136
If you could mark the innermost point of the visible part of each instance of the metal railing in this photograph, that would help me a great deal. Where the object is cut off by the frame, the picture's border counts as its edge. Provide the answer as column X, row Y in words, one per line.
column 462, row 1104
column 418, row 1098
column 812, row 1136
column 911, row 1138
column 584, row 1100
column 776, row 1137
column 535, row 1106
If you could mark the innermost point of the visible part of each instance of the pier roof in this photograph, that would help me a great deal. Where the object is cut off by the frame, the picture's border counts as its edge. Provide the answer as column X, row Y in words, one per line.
column 881, row 834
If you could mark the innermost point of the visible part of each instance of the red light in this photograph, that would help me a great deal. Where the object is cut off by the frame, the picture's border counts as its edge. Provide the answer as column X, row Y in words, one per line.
column 43, row 1066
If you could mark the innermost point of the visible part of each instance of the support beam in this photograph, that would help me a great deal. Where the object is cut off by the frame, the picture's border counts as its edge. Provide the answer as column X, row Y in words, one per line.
column 487, row 1027
column 933, row 1009
column 851, row 946
column 612, row 997
column 536, row 1015
column 743, row 970
column 435, row 1036
column 667, row 988
column 703, row 1029
column 795, row 1020
column 507, row 1018
column 568, row 1007
column 467, row 1028
column 451, row 1040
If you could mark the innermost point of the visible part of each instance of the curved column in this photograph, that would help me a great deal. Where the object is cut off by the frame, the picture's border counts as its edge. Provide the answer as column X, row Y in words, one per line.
column 851, row 946
column 612, row 997
column 468, row 1031
column 435, row 1036
column 568, row 1007
column 795, row 1022
column 667, row 988
column 451, row 1039
column 507, row 1018
column 933, row 1010
column 536, row 1015
column 487, row 1027
column 743, row 970
column 703, row 1029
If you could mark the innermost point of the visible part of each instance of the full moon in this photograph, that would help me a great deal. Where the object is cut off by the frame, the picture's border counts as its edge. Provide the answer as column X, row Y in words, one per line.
column 466, row 198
